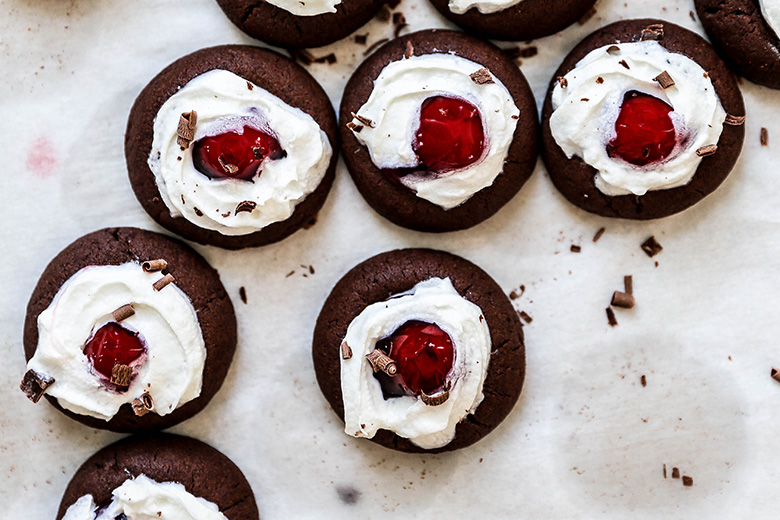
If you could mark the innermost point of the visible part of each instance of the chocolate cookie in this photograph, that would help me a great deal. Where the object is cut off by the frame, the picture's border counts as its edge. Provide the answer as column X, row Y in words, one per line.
column 576, row 180
column 192, row 275
column 400, row 204
column 280, row 27
column 388, row 274
column 743, row 37
column 527, row 20
column 202, row 470
column 269, row 70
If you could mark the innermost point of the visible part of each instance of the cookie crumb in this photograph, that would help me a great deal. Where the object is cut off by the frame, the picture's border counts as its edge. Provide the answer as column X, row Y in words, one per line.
column 361, row 39
column 665, row 80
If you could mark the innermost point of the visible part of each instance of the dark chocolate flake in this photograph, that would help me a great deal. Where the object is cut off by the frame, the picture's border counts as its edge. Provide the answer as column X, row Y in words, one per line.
column 361, row 39
column 611, row 317
column 34, row 385
column 575, row 248
column 687, row 481
column 242, row 294
column 366, row 121
column 598, row 234
column 562, row 82
column 764, row 137
column 623, row 62
column 651, row 247
column 628, row 284
column 354, row 127
column 481, row 77
column 246, row 205
column 665, row 80
column 675, row 472
column 121, row 375
column 622, row 300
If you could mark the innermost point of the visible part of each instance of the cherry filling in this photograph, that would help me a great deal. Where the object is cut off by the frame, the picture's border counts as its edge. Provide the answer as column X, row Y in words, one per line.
column 424, row 356
column 113, row 344
column 235, row 155
column 645, row 132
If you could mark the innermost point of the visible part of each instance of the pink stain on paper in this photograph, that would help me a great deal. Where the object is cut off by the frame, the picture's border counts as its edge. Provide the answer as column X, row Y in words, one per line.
column 41, row 159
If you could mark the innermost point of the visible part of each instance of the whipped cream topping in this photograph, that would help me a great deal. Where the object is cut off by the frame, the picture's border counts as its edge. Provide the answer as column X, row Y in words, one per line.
column 483, row 6
column 306, row 7
column 585, row 111
column 142, row 498
column 770, row 10
column 394, row 108
column 365, row 409
column 226, row 102
column 172, row 372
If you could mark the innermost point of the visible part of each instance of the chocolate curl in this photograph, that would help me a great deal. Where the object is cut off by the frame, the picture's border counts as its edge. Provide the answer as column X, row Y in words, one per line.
column 623, row 300
column 123, row 312
column 34, row 384
column 162, row 282
column 121, row 375
column 151, row 266
column 775, row 374
column 706, row 151
column 628, row 284
column 143, row 405
column 734, row 120
column 380, row 361
column 611, row 319
column 186, row 129
column 366, row 121
column 246, row 205
column 346, row 351
column 436, row 399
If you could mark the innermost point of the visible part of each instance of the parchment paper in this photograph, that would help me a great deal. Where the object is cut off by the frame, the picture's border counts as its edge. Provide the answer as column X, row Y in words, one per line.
column 586, row 440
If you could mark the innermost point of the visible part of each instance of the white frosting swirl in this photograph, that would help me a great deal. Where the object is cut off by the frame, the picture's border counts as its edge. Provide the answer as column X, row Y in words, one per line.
column 583, row 121
column 483, row 6
column 226, row 102
column 394, row 108
column 172, row 371
column 142, row 498
column 366, row 410
column 306, row 7
column 770, row 10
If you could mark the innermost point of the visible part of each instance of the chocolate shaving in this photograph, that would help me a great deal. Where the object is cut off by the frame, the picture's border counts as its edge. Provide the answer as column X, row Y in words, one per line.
column 515, row 295
column 481, row 77
column 664, row 470
column 151, row 266
column 249, row 86
column 764, row 137
column 162, row 282
column 652, row 32
column 611, row 317
column 186, row 129
column 598, row 234
column 121, row 375
column 374, row 46
column 435, row 400
column 708, row 150
column 575, row 248
column 525, row 316
column 197, row 212
column 599, row 80
column 242, row 294
column 228, row 168
column 613, row 50
column 380, row 361
column 734, row 120
column 330, row 59
column 143, row 405
column 562, row 82
column 665, row 80
column 651, row 247
column 775, row 374
column 687, row 481
column 628, row 284
column 643, row 380
column 34, row 384
column 246, row 205
column 675, row 472
column 366, row 121
column 623, row 62
column 346, row 351
column 409, row 52
column 123, row 312
column 354, row 127
column 361, row 39
column 622, row 300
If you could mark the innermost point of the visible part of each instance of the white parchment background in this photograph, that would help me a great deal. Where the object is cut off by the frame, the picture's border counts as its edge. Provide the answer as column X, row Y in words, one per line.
column 586, row 439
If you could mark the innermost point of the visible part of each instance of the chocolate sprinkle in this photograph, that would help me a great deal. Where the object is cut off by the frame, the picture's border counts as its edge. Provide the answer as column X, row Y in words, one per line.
column 651, row 247
column 708, row 150
column 121, row 375
column 665, row 80
column 664, row 470
column 481, row 77
column 611, row 317
column 162, row 282
column 622, row 300
column 628, row 284
column 598, row 234
column 246, row 205
column 366, row 121
column 643, row 380
column 526, row 317
column 151, row 266
column 734, row 120
column 242, row 294
column 34, row 384
column 764, row 137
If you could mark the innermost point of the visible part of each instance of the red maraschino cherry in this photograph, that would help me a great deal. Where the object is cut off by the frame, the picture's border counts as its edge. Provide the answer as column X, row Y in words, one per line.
column 645, row 132
column 113, row 344
column 424, row 356
column 450, row 135
column 235, row 155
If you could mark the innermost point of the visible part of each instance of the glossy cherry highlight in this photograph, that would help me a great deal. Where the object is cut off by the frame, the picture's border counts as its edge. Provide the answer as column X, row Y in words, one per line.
column 645, row 132
column 235, row 155
column 450, row 135
column 424, row 356
column 113, row 344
